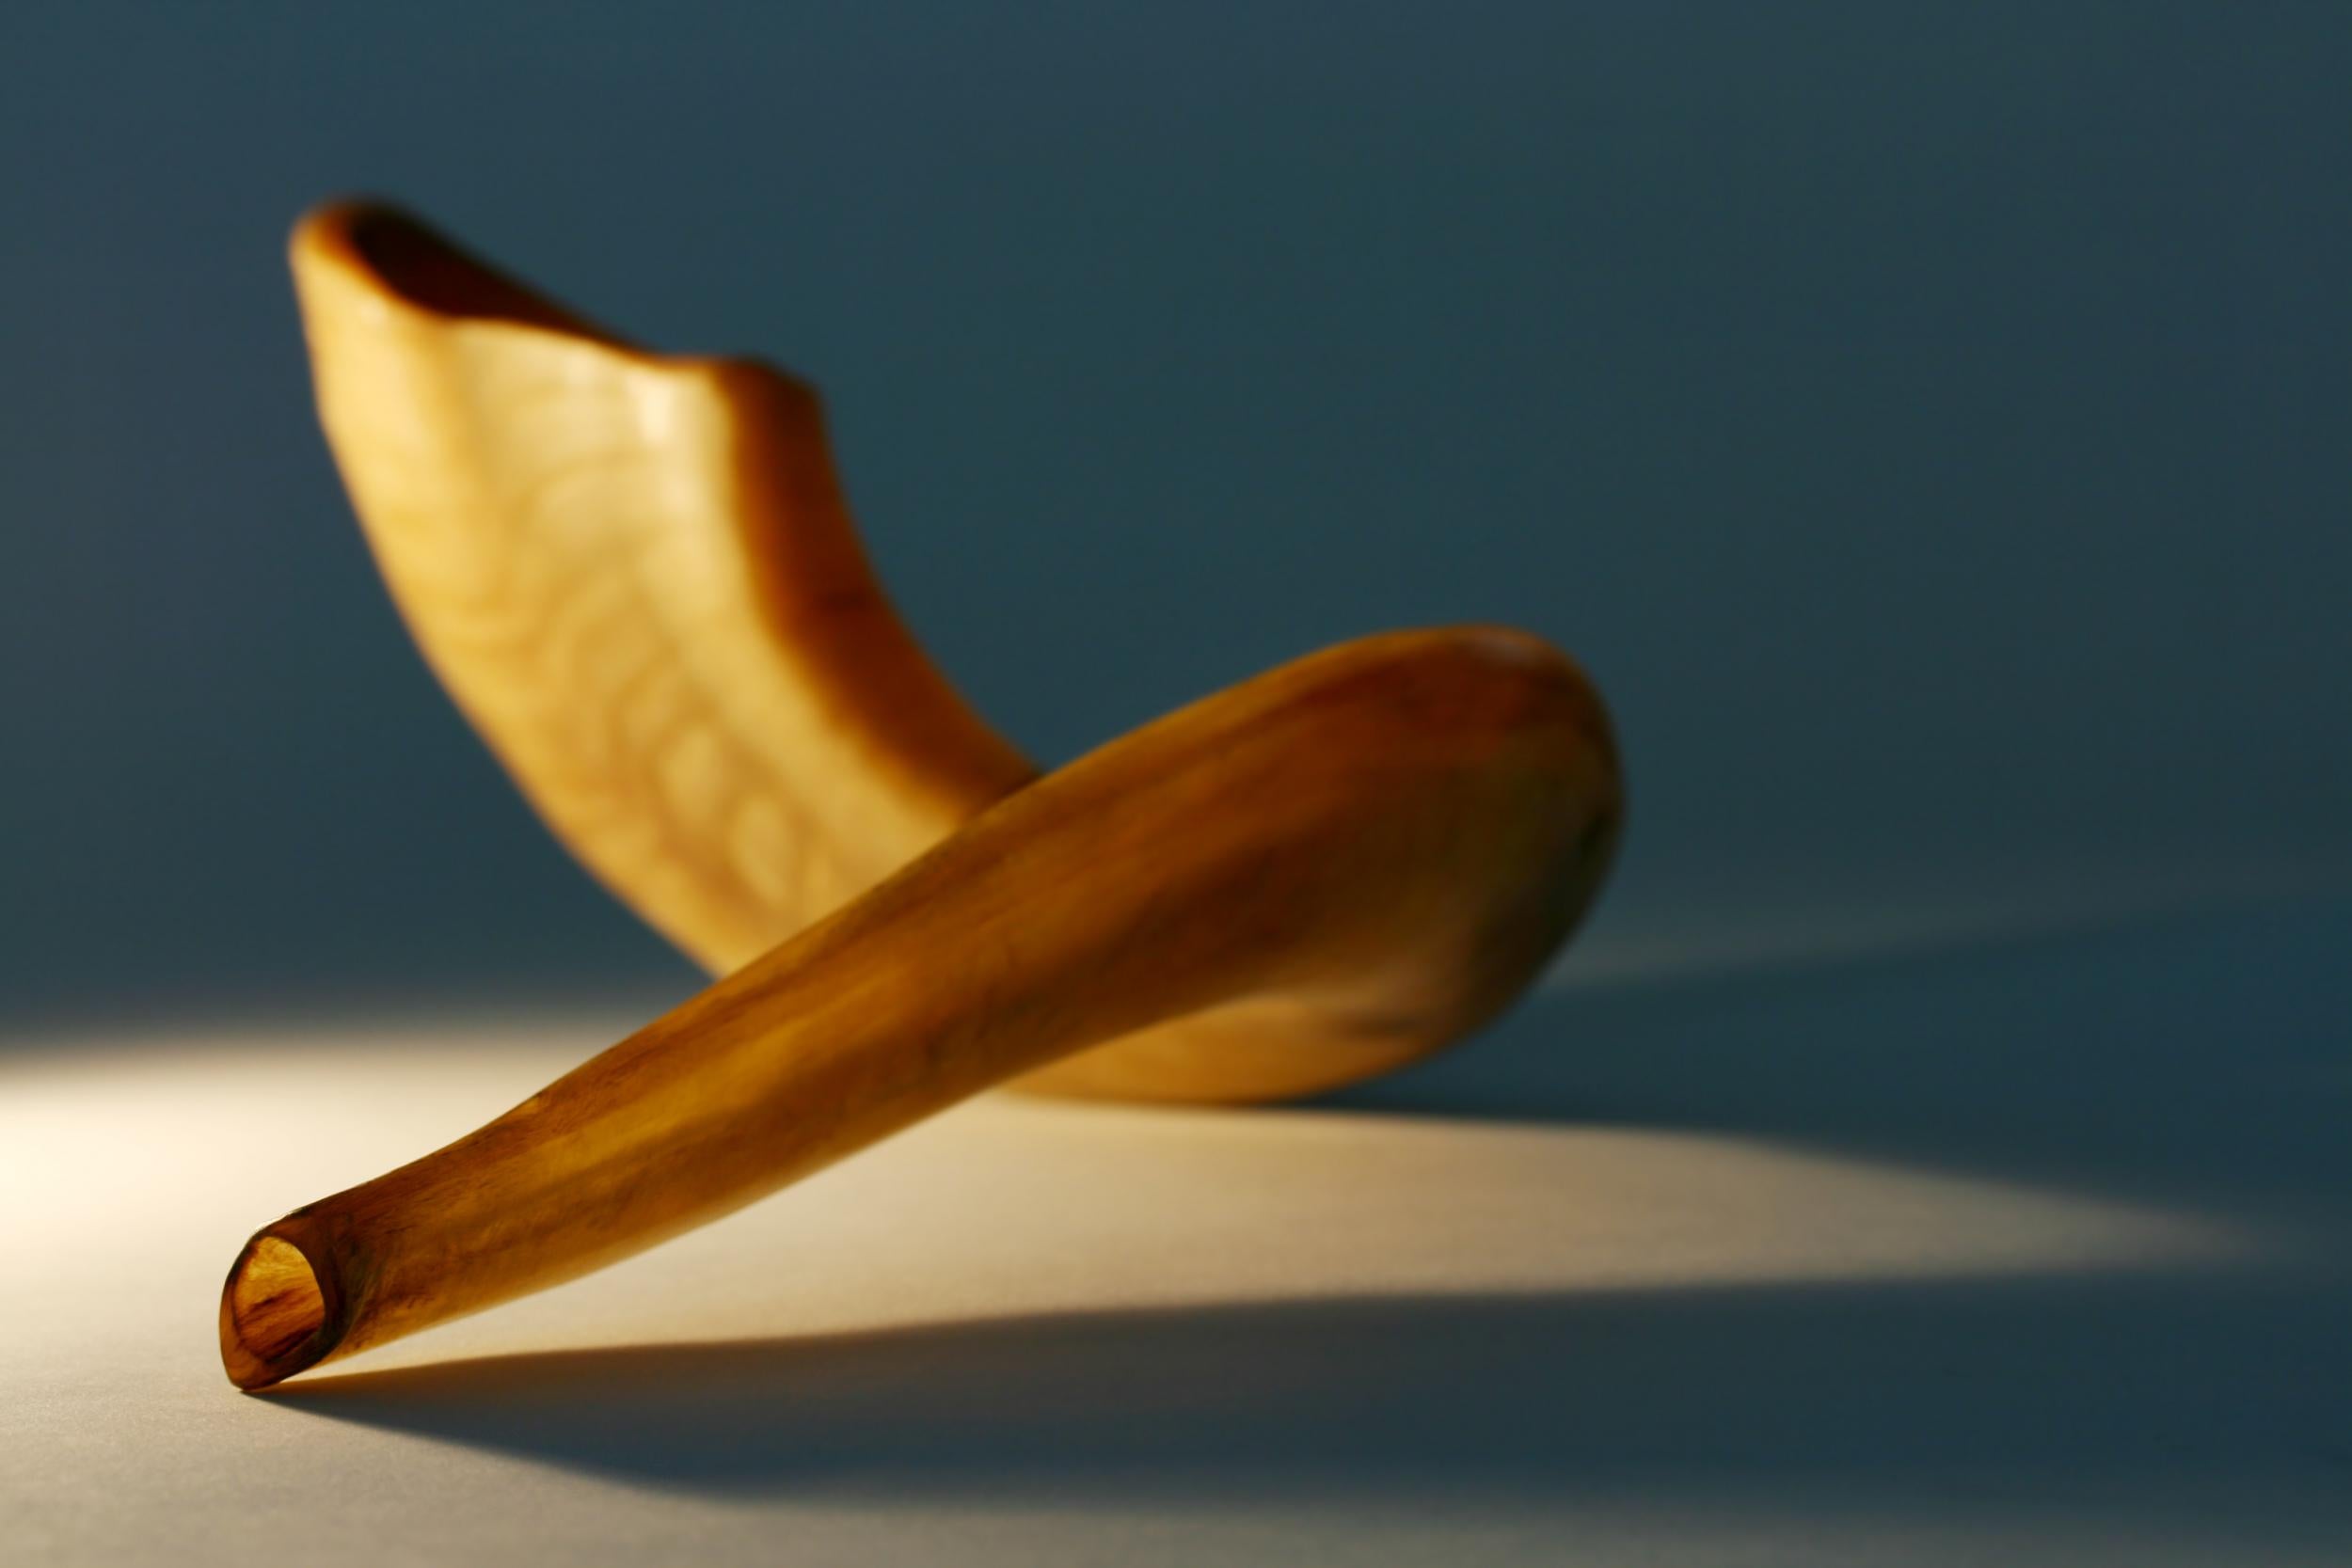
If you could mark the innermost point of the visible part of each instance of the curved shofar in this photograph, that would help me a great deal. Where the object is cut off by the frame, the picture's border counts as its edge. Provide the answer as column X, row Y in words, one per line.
column 1382, row 842
column 638, row 577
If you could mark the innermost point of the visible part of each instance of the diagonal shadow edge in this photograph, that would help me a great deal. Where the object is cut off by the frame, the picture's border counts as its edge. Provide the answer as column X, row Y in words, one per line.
column 2134, row 1385
column 2195, row 1063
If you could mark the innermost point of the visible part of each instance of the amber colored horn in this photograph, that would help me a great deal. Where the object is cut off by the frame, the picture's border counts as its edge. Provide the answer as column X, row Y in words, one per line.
column 1374, row 848
column 638, row 577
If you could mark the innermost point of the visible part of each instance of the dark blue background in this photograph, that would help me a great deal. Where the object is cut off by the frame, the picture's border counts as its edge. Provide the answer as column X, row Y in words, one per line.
column 1928, row 422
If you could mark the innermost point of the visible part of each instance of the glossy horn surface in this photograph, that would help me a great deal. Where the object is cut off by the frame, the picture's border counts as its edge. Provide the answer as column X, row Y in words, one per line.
column 1365, row 854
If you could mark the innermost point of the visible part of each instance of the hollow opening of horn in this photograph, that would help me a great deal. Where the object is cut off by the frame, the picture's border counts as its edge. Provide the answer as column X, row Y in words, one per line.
column 275, row 1310
column 429, row 272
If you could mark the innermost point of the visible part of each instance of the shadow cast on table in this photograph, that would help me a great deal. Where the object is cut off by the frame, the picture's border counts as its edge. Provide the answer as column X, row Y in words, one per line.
column 2147, row 1393
column 2192, row 1066
column 2206, row 1062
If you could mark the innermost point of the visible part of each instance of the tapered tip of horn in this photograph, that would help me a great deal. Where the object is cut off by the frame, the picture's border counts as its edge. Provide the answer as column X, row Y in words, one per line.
column 275, row 1314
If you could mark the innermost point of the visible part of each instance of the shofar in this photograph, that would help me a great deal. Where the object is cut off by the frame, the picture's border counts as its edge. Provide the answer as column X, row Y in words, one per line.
column 637, row 578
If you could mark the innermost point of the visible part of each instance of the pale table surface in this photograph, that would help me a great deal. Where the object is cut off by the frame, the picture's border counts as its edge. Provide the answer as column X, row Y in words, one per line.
column 2033, row 1253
